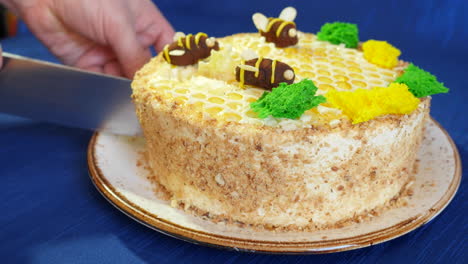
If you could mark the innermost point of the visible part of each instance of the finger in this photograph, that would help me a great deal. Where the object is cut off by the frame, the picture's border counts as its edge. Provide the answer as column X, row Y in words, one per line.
column 94, row 68
column 1, row 56
column 101, row 60
column 152, row 27
column 164, row 33
column 122, row 37
column 113, row 68
column 94, row 56
column 152, row 36
column 147, row 36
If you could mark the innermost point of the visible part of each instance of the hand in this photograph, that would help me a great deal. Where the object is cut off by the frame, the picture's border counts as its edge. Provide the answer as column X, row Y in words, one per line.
column 107, row 36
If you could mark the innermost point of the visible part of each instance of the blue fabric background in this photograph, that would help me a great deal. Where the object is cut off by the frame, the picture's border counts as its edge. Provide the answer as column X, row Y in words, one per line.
column 51, row 213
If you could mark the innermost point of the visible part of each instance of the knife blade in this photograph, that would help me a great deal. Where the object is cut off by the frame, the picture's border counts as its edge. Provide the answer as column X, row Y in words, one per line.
column 68, row 96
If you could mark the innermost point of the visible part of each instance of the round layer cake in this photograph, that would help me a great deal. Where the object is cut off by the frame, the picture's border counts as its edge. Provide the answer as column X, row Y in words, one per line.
column 215, row 156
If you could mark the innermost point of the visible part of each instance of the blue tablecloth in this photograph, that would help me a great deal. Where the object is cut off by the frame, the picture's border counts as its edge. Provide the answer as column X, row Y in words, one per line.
column 51, row 213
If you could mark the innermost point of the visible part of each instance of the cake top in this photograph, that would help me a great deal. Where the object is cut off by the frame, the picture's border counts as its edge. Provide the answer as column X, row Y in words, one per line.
column 286, row 78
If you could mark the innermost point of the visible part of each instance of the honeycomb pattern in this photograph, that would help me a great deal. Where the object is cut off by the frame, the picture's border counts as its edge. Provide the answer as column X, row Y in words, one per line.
column 217, row 95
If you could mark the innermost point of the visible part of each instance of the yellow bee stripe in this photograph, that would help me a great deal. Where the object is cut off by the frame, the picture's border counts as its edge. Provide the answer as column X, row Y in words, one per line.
column 187, row 41
column 241, row 74
column 198, row 36
column 281, row 27
column 179, row 42
column 273, row 69
column 166, row 53
column 272, row 22
column 257, row 65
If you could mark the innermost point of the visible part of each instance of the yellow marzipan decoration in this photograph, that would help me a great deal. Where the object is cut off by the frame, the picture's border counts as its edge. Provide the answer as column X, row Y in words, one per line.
column 280, row 28
column 362, row 105
column 257, row 65
column 187, row 41
column 273, row 69
column 241, row 75
column 381, row 53
column 271, row 23
column 166, row 53
column 198, row 36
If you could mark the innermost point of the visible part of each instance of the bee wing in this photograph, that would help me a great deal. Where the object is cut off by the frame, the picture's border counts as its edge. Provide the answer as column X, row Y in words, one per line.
column 249, row 54
column 288, row 14
column 177, row 52
column 178, row 35
column 248, row 68
column 260, row 21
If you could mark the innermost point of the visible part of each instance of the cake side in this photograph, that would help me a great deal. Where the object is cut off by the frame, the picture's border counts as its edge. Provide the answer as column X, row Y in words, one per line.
column 263, row 175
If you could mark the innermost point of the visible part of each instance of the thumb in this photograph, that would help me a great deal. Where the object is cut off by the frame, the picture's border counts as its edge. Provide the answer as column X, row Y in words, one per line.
column 131, row 55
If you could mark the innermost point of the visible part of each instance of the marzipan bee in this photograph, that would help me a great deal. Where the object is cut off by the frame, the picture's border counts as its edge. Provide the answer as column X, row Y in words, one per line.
column 189, row 49
column 281, row 31
column 263, row 72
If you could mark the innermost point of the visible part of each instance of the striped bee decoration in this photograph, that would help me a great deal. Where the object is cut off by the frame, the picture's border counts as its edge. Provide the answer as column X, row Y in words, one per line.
column 281, row 31
column 189, row 49
column 264, row 72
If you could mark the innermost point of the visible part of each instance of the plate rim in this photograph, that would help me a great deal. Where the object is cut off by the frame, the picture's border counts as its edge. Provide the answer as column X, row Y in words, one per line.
column 263, row 246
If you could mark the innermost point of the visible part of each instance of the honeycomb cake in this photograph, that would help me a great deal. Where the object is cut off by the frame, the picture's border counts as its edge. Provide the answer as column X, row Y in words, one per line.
column 216, row 157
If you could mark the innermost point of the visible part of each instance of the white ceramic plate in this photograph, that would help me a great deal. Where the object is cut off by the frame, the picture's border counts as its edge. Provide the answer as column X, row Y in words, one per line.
column 113, row 168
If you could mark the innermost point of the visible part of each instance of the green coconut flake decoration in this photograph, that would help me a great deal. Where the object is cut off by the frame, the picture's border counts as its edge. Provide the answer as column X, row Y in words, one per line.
column 338, row 33
column 420, row 82
column 288, row 101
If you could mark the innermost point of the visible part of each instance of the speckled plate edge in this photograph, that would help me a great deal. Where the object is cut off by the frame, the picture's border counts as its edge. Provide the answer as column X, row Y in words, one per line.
column 310, row 247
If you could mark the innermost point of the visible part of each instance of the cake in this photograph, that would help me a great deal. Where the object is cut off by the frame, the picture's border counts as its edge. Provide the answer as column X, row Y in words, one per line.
column 282, row 129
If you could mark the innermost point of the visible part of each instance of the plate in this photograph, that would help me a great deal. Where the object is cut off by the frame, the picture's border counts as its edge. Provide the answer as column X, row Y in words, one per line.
column 115, row 171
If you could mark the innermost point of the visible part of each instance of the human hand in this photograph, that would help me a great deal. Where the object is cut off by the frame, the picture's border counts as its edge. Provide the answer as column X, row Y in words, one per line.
column 106, row 36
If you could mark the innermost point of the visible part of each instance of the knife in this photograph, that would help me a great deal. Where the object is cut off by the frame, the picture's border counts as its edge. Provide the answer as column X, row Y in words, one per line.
column 67, row 96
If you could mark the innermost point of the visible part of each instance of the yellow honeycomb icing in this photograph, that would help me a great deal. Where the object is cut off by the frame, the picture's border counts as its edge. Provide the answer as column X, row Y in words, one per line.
column 210, row 87
column 221, row 65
